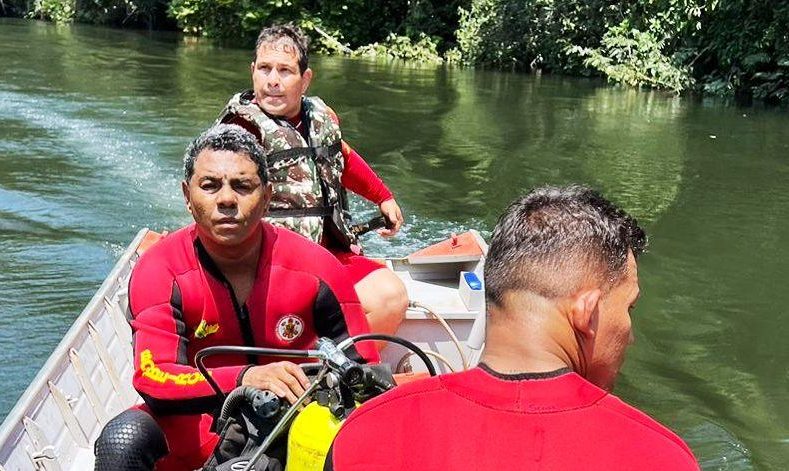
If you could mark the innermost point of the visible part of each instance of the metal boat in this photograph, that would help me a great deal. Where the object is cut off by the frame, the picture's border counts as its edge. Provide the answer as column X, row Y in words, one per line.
column 87, row 379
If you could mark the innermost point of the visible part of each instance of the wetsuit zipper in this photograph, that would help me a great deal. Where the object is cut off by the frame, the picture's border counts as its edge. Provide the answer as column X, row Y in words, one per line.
column 242, row 314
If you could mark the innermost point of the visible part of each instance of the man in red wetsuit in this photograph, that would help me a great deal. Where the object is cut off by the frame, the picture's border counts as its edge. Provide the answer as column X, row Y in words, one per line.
column 228, row 279
column 560, row 281
column 312, row 166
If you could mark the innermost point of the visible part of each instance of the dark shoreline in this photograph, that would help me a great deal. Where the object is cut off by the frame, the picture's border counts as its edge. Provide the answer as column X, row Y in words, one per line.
column 740, row 99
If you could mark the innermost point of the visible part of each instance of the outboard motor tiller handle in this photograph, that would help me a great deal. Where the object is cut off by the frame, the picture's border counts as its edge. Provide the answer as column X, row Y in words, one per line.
column 378, row 222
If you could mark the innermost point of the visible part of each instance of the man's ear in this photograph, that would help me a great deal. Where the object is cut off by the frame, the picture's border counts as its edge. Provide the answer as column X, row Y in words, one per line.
column 252, row 67
column 585, row 312
column 268, row 191
column 306, row 79
column 185, row 190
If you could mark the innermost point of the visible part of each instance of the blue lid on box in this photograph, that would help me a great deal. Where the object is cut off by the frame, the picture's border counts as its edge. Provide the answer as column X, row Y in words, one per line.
column 472, row 281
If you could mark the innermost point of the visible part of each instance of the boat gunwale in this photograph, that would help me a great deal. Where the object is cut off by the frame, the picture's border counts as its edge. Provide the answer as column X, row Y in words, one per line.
column 13, row 421
column 29, row 404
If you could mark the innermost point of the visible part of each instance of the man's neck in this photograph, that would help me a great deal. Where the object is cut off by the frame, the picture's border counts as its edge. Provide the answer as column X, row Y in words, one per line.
column 291, row 119
column 529, row 337
column 515, row 358
column 238, row 258
column 295, row 120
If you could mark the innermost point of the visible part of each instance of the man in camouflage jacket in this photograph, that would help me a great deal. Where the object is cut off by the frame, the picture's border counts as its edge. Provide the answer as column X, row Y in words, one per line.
column 311, row 167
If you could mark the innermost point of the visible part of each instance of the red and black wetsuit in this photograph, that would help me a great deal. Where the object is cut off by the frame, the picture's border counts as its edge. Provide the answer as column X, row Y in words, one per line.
column 181, row 303
column 483, row 420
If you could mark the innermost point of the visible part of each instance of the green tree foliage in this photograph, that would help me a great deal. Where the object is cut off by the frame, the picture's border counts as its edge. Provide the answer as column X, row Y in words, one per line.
column 57, row 11
column 743, row 48
column 726, row 47
column 635, row 58
column 435, row 19
column 722, row 46
column 354, row 23
column 148, row 13
column 424, row 50
column 534, row 33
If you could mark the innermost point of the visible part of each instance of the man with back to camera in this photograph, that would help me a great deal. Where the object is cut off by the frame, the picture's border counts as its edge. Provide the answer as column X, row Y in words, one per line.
column 560, row 281
column 311, row 168
column 227, row 279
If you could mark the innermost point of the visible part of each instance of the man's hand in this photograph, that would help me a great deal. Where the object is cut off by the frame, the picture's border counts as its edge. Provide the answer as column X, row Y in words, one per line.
column 285, row 379
column 391, row 210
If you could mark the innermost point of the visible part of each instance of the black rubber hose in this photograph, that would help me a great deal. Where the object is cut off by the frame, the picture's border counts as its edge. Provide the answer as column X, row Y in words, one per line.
column 431, row 369
column 265, row 403
column 210, row 351
column 236, row 397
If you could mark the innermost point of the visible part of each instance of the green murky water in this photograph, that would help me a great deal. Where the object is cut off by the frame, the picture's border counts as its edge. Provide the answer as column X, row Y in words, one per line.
column 93, row 123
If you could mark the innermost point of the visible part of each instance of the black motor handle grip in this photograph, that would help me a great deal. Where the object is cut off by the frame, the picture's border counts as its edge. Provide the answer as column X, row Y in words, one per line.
column 378, row 222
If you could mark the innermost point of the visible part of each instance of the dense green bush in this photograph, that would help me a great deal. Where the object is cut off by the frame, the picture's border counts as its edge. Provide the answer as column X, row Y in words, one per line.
column 436, row 19
column 354, row 23
column 744, row 49
column 425, row 49
column 724, row 47
column 524, row 34
column 57, row 11
column 635, row 58
column 234, row 20
column 148, row 13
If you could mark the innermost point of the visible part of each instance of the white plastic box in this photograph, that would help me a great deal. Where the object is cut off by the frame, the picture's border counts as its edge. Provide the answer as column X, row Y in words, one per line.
column 472, row 291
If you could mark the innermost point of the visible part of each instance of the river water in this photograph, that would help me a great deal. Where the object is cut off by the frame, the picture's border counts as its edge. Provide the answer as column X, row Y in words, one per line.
column 93, row 123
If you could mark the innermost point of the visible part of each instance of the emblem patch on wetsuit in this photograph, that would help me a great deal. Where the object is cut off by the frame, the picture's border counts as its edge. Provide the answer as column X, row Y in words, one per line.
column 289, row 328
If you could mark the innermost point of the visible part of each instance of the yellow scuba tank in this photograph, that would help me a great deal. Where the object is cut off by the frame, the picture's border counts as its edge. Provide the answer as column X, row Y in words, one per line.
column 310, row 437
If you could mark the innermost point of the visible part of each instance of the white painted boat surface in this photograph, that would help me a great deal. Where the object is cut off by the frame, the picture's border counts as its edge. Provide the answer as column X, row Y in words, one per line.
column 87, row 379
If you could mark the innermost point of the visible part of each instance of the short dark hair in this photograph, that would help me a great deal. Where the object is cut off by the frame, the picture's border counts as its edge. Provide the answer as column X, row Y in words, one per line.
column 554, row 238
column 290, row 32
column 226, row 137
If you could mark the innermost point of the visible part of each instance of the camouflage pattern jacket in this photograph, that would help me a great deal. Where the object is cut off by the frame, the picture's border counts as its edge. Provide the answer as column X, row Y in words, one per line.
column 308, row 195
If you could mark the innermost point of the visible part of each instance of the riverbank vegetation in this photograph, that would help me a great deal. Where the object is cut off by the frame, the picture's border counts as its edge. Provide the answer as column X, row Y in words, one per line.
column 734, row 48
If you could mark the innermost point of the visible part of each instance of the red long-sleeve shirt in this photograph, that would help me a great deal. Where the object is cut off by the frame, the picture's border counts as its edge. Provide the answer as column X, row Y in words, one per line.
column 358, row 177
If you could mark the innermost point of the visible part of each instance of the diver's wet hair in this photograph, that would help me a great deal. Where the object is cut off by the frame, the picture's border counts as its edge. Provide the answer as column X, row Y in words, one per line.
column 554, row 239
column 292, row 35
column 226, row 137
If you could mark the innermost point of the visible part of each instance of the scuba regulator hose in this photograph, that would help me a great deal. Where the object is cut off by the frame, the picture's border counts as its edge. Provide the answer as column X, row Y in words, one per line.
column 431, row 369
column 278, row 352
